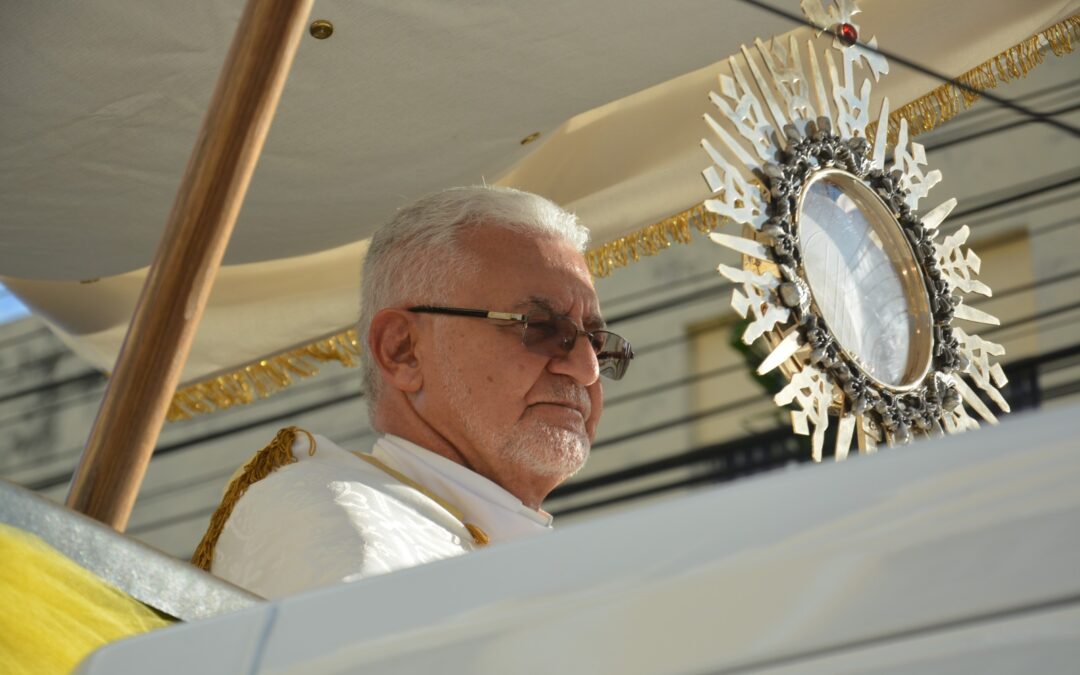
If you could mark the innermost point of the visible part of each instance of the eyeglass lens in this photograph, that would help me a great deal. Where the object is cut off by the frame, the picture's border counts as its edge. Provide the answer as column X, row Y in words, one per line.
column 557, row 335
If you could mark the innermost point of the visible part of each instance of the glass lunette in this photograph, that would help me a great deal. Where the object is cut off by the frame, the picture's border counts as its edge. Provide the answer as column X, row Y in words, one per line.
column 554, row 335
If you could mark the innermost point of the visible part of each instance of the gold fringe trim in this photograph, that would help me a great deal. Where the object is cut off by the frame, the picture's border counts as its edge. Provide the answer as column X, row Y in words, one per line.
column 268, row 376
column 265, row 377
column 650, row 240
column 948, row 100
column 276, row 454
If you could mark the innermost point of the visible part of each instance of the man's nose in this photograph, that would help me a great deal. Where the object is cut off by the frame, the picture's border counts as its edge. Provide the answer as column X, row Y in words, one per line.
column 579, row 363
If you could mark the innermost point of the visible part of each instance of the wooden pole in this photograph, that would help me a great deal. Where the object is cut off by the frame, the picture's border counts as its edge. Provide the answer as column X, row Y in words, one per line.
column 171, row 305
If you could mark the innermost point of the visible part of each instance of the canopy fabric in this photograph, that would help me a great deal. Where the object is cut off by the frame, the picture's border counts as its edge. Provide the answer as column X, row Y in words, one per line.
column 403, row 99
column 102, row 102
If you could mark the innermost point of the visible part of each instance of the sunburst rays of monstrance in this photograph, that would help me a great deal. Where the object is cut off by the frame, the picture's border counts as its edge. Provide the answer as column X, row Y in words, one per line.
column 851, row 289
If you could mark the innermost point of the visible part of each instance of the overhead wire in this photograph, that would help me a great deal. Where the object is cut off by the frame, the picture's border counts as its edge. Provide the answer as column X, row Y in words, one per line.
column 1038, row 187
column 657, row 289
column 23, row 337
column 161, row 450
column 977, row 135
column 316, row 385
column 918, row 67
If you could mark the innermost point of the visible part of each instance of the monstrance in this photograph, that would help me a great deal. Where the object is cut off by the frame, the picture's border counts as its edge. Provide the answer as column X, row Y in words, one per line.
column 851, row 286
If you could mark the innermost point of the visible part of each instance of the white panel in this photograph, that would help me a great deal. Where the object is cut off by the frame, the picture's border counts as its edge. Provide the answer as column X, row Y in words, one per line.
column 812, row 559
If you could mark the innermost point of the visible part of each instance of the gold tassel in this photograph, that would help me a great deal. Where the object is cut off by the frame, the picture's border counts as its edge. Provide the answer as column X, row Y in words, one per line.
column 480, row 538
column 275, row 455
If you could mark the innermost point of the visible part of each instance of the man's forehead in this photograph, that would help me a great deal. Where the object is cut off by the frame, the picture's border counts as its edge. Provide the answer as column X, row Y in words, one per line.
column 534, row 271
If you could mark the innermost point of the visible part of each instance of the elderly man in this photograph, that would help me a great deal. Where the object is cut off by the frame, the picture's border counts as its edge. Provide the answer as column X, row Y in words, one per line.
column 485, row 346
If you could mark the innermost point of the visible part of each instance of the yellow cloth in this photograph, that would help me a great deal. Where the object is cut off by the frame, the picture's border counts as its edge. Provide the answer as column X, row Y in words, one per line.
column 53, row 613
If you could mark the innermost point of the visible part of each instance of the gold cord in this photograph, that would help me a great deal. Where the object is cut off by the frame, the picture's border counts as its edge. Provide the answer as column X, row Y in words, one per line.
column 275, row 455
column 480, row 538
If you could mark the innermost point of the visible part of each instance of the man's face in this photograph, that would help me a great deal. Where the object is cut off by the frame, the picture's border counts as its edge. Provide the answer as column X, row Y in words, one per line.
column 513, row 413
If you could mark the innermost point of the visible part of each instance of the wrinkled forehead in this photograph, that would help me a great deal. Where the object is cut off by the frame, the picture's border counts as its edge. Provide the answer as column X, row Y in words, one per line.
column 529, row 268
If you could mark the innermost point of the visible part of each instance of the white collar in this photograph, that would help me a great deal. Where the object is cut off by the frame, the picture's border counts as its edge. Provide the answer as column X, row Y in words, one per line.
column 499, row 513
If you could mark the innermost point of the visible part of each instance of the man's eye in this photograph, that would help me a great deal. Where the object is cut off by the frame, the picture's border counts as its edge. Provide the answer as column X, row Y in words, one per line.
column 543, row 329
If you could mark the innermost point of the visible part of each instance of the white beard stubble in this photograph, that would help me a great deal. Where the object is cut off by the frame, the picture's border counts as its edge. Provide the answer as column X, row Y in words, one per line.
column 539, row 448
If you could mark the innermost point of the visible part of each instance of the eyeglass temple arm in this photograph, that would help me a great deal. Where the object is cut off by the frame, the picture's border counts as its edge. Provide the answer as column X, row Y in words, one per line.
column 457, row 311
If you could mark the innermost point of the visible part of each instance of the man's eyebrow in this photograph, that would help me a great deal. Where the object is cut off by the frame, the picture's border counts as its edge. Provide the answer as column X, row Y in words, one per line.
column 594, row 322
column 536, row 302
column 590, row 322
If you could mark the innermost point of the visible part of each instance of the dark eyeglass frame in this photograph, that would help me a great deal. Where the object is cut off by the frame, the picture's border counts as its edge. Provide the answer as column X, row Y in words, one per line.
column 613, row 352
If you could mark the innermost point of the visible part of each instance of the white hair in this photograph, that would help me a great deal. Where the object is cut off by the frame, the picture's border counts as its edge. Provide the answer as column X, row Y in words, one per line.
column 415, row 258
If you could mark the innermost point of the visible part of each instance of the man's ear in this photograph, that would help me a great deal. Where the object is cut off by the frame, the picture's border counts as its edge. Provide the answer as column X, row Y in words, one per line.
column 392, row 344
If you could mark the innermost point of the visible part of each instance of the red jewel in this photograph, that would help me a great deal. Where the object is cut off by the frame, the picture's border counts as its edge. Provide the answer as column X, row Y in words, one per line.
column 848, row 34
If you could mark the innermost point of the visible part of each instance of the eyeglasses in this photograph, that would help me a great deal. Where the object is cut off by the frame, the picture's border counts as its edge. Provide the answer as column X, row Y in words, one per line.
column 554, row 335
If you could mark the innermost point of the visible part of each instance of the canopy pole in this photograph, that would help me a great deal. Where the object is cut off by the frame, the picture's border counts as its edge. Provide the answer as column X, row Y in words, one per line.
column 172, row 301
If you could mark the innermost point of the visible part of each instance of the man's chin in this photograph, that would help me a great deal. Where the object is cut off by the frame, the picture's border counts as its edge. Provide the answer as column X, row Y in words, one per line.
column 553, row 452
column 567, row 453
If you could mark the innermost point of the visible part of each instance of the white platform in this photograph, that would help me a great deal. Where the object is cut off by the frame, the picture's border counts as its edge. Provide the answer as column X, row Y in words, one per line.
column 960, row 555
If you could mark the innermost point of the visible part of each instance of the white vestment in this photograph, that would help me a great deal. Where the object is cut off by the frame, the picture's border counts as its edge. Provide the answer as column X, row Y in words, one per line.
column 334, row 517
